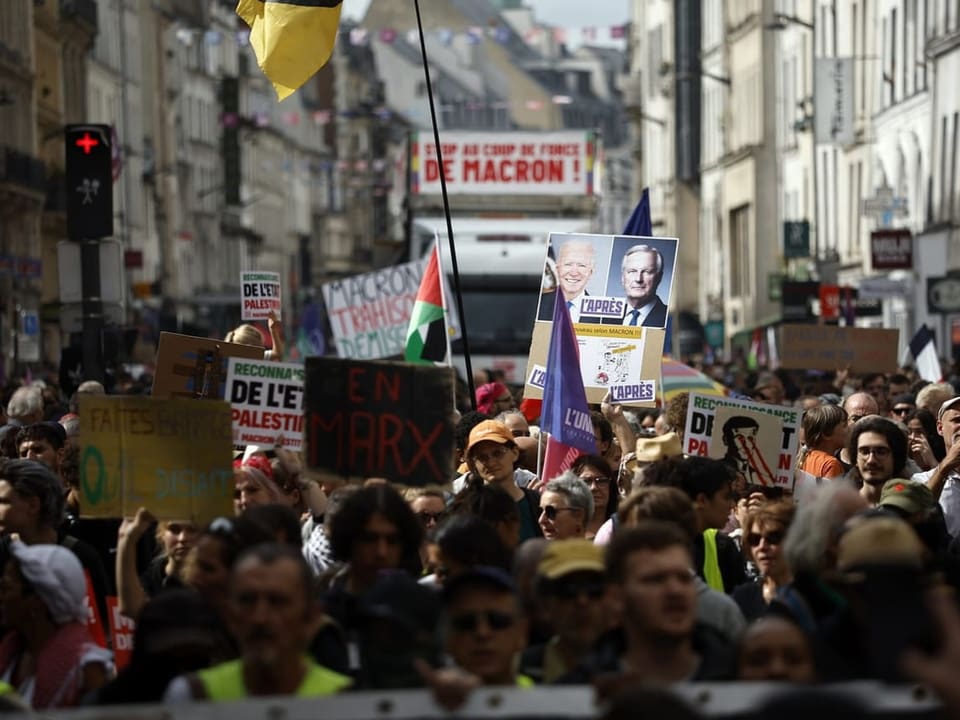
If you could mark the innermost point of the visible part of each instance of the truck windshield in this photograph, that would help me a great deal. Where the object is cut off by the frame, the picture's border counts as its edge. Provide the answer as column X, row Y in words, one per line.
column 500, row 314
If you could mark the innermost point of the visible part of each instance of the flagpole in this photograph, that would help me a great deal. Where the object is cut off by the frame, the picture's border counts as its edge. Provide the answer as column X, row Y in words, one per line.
column 446, row 212
column 443, row 301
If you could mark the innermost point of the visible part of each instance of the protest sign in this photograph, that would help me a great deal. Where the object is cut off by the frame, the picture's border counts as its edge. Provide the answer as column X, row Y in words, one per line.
column 266, row 402
column 121, row 633
column 760, row 440
column 827, row 347
column 370, row 313
column 638, row 392
column 259, row 295
column 379, row 419
column 171, row 456
column 618, row 289
column 195, row 367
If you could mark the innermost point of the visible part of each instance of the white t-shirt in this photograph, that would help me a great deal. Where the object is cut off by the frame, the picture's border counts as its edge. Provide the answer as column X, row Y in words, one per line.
column 949, row 498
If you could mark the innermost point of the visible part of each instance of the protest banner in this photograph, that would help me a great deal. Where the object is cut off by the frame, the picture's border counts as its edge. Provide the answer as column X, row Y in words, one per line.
column 379, row 419
column 758, row 439
column 266, row 403
column 171, row 456
column 619, row 310
column 195, row 367
column 121, row 633
column 259, row 295
column 370, row 313
column 828, row 347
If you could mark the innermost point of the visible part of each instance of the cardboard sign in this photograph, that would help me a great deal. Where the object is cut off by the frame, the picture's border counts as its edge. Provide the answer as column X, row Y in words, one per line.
column 266, row 401
column 380, row 419
column 758, row 439
column 618, row 288
column 259, row 295
column 121, row 632
column 171, row 456
column 825, row 347
column 370, row 313
column 195, row 367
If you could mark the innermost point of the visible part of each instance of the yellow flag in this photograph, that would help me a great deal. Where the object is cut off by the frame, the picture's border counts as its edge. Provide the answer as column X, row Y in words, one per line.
column 291, row 38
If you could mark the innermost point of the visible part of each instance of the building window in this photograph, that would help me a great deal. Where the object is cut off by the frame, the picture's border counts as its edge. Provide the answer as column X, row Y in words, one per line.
column 739, row 250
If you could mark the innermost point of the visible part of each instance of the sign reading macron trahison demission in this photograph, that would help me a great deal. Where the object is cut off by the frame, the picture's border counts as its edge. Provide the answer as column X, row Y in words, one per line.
column 506, row 163
column 266, row 400
column 370, row 313
column 259, row 295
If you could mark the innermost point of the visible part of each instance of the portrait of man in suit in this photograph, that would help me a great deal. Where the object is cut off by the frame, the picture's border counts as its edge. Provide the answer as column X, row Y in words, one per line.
column 575, row 266
column 640, row 273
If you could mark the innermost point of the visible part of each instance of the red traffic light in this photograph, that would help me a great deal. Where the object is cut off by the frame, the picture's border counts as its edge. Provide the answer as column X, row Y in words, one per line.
column 87, row 143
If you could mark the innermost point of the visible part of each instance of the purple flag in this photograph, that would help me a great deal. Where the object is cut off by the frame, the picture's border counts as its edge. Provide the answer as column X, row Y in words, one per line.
column 565, row 415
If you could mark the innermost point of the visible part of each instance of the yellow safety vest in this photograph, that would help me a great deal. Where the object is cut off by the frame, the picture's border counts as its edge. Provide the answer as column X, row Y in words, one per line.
column 711, row 562
column 224, row 682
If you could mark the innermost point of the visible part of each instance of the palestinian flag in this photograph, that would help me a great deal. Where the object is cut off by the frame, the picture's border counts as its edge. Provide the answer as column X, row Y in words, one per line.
column 292, row 39
column 427, row 334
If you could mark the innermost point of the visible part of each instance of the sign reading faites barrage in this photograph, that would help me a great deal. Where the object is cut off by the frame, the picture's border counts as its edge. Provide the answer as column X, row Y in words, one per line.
column 379, row 419
column 514, row 163
column 259, row 295
column 758, row 439
column 266, row 403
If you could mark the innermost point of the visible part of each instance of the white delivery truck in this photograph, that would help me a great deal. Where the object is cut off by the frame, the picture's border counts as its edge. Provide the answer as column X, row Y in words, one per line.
column 508, row 191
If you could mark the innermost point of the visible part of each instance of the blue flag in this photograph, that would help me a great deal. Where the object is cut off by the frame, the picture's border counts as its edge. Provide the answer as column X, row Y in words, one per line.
column 565, row 414
column 639, row 224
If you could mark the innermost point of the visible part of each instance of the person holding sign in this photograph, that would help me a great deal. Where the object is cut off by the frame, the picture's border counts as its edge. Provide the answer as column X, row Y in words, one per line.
column 247, row 334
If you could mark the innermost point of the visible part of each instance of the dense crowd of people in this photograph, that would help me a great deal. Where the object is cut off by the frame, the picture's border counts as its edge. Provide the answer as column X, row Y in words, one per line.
column 638, row 567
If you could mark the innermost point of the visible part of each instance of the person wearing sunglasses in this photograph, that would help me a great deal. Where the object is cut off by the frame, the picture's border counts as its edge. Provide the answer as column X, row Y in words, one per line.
column 566, row 506
column 484, row 625
column 763, row 538
column 572, row 589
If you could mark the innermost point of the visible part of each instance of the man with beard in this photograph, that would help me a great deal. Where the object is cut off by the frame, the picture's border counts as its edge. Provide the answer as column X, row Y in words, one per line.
column 879, row 449
column 273, row 616
column 649, row 567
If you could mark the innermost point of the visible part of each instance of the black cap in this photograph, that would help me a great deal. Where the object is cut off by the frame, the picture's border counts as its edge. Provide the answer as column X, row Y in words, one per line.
column 479, row 576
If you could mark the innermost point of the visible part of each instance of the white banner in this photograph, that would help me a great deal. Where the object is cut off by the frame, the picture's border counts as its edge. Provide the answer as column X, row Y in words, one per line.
column 833, row 101
column 505, row 163
column 266, row 402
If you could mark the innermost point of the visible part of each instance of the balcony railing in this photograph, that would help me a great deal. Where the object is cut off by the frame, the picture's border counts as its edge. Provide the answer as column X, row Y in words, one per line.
column 83, row 10
column 19, row 168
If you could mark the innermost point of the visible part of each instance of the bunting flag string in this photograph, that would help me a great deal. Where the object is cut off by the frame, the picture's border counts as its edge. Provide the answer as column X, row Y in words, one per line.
column 357, row 36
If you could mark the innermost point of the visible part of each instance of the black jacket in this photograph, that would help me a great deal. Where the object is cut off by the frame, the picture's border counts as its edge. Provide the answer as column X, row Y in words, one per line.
column 717, row 657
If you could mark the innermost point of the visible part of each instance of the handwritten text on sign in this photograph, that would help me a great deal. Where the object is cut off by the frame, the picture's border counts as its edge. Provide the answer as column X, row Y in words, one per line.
column 379, row 419
column 266, row 401
column 259, row 295
column 704, row 429
column 370, row 313
column 171, row 456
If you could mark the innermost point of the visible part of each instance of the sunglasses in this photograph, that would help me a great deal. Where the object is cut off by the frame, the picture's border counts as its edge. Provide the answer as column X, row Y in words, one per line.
column 772, row 538
column 571, row 591
column 901, row 410
column 551, row 512
column 598, row 481
column 427, row 517
column 470, row 622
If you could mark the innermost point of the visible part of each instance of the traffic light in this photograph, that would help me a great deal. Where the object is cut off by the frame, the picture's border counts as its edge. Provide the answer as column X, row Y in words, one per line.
column 89, row 182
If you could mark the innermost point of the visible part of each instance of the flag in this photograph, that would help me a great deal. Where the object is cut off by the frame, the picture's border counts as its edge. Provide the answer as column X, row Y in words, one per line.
column 565, row 415
column 923, row 347
column 427, row 339
column 639, row 221
column 292, row 39
column 756, row 349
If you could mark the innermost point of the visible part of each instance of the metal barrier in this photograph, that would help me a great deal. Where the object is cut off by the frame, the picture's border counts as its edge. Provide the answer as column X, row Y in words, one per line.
column 720, row 700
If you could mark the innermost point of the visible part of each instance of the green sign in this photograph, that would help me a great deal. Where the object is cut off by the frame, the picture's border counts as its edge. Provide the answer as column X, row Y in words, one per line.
column 713, row 331
column 775, row 287
column 796, row 239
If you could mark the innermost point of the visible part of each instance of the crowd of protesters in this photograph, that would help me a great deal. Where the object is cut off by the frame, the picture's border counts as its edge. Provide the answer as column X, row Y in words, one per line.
column 638, row 567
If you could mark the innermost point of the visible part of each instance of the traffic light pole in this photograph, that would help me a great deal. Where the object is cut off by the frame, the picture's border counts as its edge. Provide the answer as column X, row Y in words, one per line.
column 92, row 344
